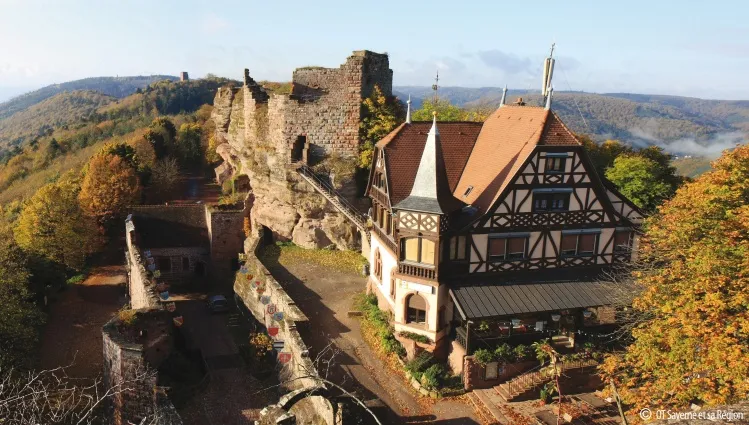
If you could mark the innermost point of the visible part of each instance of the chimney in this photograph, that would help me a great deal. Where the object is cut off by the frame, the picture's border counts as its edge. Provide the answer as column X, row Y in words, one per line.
column 520, row 102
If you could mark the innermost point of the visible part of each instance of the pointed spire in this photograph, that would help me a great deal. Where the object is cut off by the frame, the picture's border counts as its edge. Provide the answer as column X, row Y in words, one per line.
column 425, row 183
column 408, row 110
column 550, row 90
column 504, row 96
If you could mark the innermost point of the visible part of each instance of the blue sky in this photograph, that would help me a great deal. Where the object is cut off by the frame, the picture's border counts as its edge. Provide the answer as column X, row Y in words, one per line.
column 689, row 48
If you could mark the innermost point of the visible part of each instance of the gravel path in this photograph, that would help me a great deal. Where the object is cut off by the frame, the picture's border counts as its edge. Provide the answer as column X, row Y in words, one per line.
column 72, row 335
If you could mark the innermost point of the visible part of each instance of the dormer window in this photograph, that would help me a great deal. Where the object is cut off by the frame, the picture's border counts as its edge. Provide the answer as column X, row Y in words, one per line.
column 555, row 164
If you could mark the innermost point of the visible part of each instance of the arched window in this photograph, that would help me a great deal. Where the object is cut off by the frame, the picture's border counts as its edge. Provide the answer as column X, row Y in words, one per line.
column 378, row 264
column 417, row 250
column 416, row 309
column 392, row 282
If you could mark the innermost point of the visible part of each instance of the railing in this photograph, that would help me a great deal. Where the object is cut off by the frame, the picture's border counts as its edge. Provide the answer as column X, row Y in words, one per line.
column 350, row 211
column 380, row 197
column 386, row 239
column 537, row 375
column 417, row 271
column 525, row 381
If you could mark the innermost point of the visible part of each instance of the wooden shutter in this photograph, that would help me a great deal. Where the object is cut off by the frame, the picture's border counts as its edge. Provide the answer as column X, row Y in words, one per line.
column 569, row 244
column 516, row 246
column 587, row 244
column 411, row 248
column 427, row 251
column 497, row 247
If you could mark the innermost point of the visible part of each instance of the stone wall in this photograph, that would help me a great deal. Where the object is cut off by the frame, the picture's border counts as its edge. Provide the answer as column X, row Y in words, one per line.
column 226, row 235
column 131, row 363
column 257, row 133
column 246, row 287
column 141, row 288
column 188, row 214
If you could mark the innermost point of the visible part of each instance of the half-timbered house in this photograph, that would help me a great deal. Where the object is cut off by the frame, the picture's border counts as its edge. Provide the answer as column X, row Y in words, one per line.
column 504, row 221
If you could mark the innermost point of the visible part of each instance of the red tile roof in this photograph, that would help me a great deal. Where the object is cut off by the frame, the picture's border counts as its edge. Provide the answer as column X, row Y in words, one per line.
column 507, row 138
column 482, row 157
column 404, row 146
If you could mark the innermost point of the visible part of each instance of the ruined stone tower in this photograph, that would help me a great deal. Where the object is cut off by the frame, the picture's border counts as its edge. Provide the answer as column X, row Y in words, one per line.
column 264, row 135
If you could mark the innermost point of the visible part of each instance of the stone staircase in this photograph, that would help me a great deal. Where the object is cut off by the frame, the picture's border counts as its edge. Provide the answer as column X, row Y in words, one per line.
column 526, row 386
column 341, row 204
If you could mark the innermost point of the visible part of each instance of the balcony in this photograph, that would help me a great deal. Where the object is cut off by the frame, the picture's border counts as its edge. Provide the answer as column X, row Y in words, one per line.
column 386, row 239
column 424, row 272
column 377, row 194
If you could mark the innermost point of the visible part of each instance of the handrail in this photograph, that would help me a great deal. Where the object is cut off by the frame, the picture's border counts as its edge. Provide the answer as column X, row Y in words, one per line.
column 347, row 208
column 530, row 378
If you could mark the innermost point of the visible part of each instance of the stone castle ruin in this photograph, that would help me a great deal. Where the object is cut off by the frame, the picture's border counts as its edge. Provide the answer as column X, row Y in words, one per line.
column 265, row 138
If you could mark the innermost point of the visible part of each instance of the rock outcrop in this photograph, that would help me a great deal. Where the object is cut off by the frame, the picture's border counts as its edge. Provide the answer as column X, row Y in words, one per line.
column 265, row 136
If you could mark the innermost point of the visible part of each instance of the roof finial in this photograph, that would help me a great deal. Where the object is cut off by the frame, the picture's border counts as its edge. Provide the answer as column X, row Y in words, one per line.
column 550, row 92
column 504, row 96
column 408, row 110
column 436, row 87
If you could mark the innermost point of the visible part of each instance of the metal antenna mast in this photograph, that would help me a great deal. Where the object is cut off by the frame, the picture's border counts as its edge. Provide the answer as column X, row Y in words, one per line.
column 436, row 87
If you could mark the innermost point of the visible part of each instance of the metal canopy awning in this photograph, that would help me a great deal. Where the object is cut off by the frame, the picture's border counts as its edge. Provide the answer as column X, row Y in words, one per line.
column 484, row 301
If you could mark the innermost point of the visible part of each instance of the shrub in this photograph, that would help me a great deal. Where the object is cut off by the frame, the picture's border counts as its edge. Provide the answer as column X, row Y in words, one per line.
column 391, row 345
column 380, row 325
column 504, row 352
column 483, row 356
column 416, row 337
column 420, row 363
column 127, row 316
column 434, row 376
column 76, row 279
column 521, row 352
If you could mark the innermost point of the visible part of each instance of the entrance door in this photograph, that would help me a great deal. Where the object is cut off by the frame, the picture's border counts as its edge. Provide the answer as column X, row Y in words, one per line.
column 297, row 151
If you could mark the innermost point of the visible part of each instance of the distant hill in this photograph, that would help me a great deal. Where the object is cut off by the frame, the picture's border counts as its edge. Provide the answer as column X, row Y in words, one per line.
column 682, row 125
column 111, row 86
column 61, row 132
column 57, row 111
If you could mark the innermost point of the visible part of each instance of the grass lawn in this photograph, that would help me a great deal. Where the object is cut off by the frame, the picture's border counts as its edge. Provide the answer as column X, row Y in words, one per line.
column 288, row 254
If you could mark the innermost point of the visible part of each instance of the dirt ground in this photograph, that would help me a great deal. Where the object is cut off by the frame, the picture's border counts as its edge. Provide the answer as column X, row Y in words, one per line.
column 72, row 335
column 233, row 395
column 326, row 297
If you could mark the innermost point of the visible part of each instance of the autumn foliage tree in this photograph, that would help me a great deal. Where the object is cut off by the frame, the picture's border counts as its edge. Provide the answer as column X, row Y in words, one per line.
column 53, row 225
column 446, row 111
column 694, row 344
column 110, row 185
column 381, row 115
